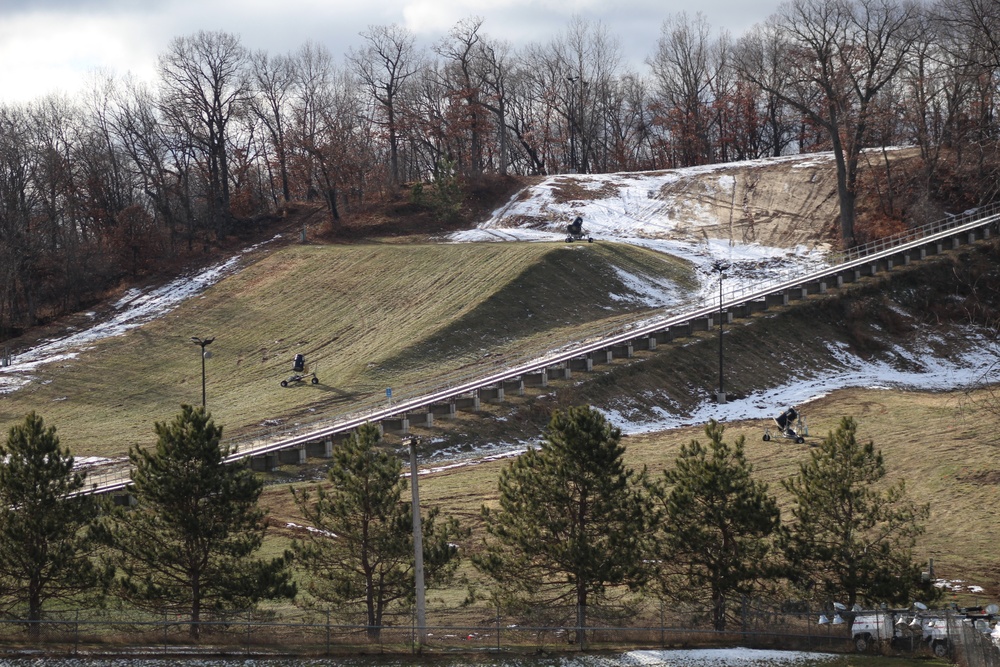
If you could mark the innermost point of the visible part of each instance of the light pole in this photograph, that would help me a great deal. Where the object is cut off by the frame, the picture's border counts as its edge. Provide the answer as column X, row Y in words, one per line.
column 203, row 342
column 418, row 543
column 721, row 267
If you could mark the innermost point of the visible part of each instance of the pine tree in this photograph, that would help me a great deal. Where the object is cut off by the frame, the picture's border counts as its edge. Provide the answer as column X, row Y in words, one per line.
column 359, row 551
column 190, row 542
column 47, row 544
column 851, row 534
column 718, row 524
column 572, row 521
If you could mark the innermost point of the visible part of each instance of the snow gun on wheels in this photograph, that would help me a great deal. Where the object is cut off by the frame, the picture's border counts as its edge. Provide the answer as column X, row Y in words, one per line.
column 574, row 232
column 299, row 372
column 790, row 425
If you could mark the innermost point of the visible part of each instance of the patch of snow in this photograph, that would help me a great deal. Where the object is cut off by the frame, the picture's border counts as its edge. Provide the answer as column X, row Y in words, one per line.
column 310, row 529
column 135, row 308
column 929, row 373
column 650, row 291
column 725, row 657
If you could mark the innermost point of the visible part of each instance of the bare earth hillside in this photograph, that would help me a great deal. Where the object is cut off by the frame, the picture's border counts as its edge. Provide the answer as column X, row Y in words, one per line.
column 783, row 202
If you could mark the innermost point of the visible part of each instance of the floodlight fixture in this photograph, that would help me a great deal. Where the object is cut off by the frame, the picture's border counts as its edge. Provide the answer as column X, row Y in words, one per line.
column 203, row 343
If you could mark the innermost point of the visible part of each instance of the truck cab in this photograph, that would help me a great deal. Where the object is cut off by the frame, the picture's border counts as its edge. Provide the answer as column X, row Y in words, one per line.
column 871, row 627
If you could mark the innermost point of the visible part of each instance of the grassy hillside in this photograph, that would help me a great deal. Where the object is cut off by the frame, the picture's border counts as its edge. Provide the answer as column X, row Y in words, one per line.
column 944, row 445
column 377, row 315
column 951, row 462
column 367, row 317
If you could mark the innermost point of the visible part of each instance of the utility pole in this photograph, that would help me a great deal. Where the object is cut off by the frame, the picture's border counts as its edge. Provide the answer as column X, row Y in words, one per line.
column 418, row 544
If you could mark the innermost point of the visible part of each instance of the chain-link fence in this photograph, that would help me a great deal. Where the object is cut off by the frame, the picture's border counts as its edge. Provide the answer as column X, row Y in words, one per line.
column 971, row 642
column 301, row 632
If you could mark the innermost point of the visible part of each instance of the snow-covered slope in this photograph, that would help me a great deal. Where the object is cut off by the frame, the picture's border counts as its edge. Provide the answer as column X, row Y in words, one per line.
column 768, row 219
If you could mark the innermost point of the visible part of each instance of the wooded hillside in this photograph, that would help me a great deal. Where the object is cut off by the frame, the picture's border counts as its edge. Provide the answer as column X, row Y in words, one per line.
column 136, row 178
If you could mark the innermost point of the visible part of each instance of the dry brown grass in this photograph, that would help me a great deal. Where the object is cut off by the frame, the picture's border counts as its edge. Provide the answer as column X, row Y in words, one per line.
column 950, row 461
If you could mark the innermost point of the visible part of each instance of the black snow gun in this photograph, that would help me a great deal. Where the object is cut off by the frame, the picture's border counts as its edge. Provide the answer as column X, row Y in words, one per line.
column 574, row 232
column 790, row 425
column 299, row 372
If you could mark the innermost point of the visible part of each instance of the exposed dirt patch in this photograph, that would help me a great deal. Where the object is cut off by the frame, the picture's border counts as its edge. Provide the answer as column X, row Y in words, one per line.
column 569, row 189
column 980, row 478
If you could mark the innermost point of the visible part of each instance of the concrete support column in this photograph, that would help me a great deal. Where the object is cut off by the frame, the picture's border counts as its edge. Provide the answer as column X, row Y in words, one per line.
column 625, row 350
column 328, row 448
column 539, row 379
column 776, row 299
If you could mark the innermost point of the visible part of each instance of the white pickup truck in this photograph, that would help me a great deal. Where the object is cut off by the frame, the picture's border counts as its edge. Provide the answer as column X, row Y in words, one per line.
column 871, row 627
column 935, row 634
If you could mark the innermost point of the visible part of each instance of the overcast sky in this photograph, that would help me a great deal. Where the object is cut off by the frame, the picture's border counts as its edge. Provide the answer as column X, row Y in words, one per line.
column 51, row 45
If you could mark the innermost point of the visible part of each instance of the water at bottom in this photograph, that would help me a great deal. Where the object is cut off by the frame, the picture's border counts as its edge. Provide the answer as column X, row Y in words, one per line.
column 732, row 657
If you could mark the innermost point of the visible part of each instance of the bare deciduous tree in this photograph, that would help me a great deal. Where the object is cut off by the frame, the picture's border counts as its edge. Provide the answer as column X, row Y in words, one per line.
column 681, row 75
column 839, row 55
column 273, row 80
column 384, row 65
column 204, row 85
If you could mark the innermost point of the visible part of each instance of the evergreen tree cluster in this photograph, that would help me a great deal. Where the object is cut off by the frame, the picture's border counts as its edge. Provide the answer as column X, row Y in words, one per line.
column 574, row 528
column 574, row 523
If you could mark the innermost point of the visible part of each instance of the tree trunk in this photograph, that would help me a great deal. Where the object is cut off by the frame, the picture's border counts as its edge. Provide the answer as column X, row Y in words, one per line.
column 845, row 195
column 34, row 609
column 194, row 631
column 718, row 611
column 374, row 610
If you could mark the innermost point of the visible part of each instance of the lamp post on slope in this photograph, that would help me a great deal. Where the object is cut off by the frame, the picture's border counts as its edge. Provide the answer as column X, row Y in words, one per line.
column 720, row 267
column 203, row 342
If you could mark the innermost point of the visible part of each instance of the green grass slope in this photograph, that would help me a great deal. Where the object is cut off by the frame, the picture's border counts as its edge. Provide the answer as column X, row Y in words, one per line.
column 367, row 317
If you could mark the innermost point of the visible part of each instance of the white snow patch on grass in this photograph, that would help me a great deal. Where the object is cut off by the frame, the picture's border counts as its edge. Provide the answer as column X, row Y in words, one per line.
column 135, row 308
column 726, row 657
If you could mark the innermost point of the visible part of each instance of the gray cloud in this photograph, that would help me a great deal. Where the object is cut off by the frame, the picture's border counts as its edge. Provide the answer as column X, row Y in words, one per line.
column 137, row 30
